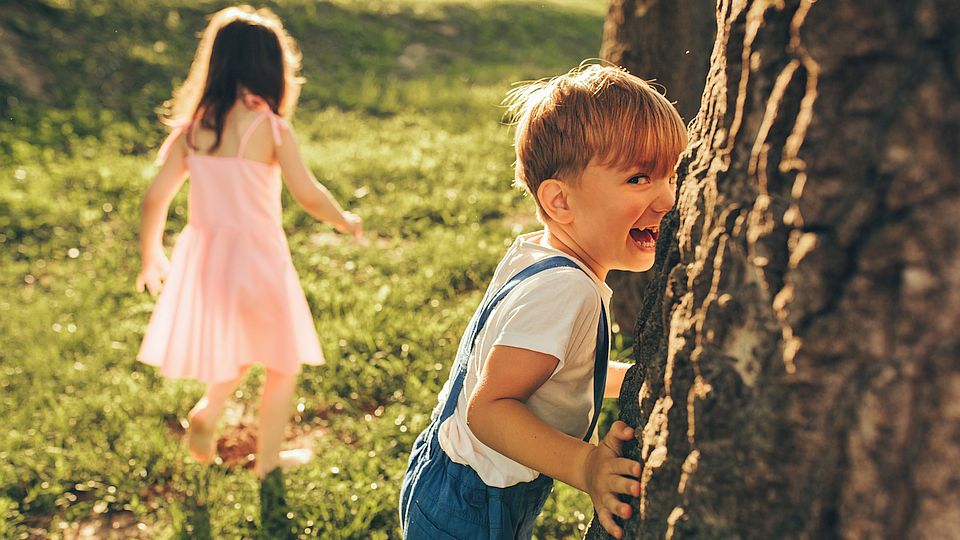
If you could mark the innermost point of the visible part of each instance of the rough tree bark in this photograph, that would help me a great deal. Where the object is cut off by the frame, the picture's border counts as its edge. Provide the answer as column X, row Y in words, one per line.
column 798, row 372
column 668, row 42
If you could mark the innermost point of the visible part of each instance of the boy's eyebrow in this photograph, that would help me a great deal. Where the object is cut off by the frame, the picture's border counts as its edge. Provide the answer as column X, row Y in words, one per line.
column 629, row 166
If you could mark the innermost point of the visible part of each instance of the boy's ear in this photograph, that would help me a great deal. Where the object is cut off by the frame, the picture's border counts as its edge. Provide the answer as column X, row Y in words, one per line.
column 552, row 194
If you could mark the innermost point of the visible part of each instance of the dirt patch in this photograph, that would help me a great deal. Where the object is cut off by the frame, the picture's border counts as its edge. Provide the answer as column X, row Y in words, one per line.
column 413, row 56
column 237, row 439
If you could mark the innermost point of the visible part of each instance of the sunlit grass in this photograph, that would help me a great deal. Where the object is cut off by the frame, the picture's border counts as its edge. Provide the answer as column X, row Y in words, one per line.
column 399, row 118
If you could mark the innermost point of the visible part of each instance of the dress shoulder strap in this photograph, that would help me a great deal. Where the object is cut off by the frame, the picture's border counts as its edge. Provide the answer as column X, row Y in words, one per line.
column 178, row 130
column 246, row 135
column 276, row 124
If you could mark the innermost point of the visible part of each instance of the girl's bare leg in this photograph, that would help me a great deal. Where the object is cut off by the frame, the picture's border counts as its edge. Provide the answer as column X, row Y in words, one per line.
column 276, row 403
column 204, row 415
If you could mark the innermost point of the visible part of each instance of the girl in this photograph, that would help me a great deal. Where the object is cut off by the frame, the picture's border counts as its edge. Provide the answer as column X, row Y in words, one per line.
column 231, row 296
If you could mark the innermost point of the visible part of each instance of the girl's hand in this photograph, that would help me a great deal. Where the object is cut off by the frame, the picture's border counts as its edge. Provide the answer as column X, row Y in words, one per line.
column 608, row 474
column 154, row 273
column 352, row 224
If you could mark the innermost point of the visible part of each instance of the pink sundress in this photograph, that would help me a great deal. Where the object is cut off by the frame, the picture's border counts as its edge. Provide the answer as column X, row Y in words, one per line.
column 232, row 297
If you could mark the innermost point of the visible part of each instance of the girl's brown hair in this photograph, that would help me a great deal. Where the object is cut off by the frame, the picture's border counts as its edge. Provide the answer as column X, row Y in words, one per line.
column 594, row 112
column 240, row 48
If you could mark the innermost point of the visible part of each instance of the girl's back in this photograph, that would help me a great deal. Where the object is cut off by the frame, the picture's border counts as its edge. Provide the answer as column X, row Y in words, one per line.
column 242, row 119
column 238, row 184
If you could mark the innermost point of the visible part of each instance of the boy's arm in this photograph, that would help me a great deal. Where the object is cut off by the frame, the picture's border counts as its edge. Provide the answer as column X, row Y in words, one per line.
column 498, row 416
column 616, row 371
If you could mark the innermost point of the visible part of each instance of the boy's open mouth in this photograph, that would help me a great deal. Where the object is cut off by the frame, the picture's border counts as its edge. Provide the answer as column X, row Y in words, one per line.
column 645, row 238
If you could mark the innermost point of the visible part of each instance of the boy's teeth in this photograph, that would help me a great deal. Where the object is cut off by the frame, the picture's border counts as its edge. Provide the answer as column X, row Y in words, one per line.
column 645, row 238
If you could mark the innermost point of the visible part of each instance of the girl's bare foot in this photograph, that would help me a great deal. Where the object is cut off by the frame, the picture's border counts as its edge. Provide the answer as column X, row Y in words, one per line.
column 287, row 459
column 200, row 439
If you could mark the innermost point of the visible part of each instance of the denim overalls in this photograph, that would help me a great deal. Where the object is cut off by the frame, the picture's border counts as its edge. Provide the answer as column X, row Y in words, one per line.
column 440, row 499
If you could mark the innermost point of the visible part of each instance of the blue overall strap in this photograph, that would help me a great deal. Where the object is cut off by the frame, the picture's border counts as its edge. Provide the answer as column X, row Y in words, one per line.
column 480, row 320
column 600, row 359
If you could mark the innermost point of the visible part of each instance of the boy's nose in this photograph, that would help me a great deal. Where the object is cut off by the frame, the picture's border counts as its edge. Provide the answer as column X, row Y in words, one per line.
column 666, row 198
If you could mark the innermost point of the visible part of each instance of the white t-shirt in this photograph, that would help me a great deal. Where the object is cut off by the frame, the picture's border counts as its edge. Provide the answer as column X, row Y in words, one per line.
column 555, row 312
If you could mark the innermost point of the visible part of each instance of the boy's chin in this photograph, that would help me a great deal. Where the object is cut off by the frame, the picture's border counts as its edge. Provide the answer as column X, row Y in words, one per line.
column 640, row 266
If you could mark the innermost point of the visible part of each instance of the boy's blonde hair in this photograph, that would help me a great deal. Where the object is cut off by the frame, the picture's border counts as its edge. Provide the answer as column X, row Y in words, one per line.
column 594, row 112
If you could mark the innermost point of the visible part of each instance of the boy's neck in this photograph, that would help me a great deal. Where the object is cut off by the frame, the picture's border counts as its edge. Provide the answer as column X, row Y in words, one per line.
column 556, row 239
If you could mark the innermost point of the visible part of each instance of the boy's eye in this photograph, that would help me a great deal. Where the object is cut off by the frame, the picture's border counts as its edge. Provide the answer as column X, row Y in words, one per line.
column 639, row 179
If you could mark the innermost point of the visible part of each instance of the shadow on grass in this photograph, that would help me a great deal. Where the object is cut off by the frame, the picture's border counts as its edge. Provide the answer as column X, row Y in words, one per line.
column 274, row 523
column 191, row 516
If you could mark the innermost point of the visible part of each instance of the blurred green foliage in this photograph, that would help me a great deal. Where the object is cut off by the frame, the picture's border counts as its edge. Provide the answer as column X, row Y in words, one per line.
column 399, row 118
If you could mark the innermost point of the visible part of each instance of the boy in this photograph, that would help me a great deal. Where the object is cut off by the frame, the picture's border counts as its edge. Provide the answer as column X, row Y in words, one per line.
column 596, row 149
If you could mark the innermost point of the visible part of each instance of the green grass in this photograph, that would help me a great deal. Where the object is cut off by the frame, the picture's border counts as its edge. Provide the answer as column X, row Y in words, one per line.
column 399, row 118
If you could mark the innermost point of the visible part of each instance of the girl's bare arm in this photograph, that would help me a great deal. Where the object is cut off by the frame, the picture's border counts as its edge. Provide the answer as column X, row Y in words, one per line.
column 306, row 190
column 153, row 215
column 156, row 201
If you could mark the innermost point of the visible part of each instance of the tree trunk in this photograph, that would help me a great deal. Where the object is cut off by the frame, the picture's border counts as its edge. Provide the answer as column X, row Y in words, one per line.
column 798, row 372
column 669, row 42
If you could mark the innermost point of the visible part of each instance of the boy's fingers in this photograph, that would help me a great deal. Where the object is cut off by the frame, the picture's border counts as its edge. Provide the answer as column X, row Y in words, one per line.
column 621, row 430
column 615, row 506
column 606, row 520
column 620, row 484
column 614, row 443
column 140, row 283
column 626, row 467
